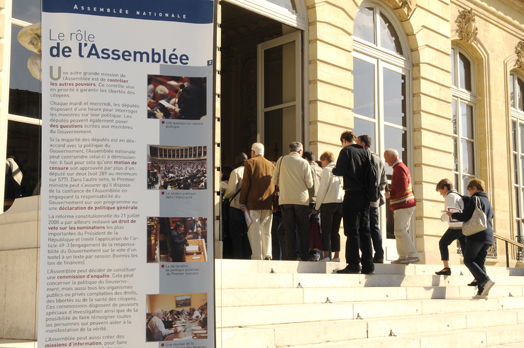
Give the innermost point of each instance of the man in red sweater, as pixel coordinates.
(402, 202)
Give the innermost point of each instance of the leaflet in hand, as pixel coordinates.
(453, 222)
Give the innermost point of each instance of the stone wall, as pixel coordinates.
(19, 269)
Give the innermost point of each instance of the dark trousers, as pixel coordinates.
(447, 239)
(330, 218)
(177, 252)
(238, 234)
(276, 247)
(376, 236)
(296, 216)
(474, 259)
(356, 229)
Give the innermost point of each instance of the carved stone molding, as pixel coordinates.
(467, 29)
(519, 51)
(408, 6)
(403, 8)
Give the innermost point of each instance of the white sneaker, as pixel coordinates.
(479, 297)
(487, 287)
(411, 259)
(336, 260)
(325, 259)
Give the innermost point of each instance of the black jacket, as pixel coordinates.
(352, 164)
(485, 236)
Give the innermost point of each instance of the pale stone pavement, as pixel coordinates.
(5, 343)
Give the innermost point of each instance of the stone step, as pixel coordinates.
(288, 280)
(481, 337)
(509, 345)
(284, 296)
(314, 312)
(254, 266)
(349, 332)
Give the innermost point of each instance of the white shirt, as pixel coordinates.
(330, 189)
(155, 324)
(452, 200)
(235, 184)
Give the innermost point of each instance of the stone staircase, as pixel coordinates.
(266, 304)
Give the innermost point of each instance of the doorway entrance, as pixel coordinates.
(261, 84)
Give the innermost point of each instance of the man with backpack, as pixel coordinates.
(374, 222)
(353, 164)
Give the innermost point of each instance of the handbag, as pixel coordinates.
(478, 221)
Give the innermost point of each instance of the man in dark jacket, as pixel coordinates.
(352, 164)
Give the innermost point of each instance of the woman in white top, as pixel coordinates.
(454, 202)
(329, 201)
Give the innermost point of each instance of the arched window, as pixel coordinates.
(382, 91)
(464, 111)
(381, 80)
(517, 127)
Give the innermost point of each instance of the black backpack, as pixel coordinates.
(465, 199)
(372, 180)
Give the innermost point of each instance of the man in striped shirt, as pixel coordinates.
(402, 202)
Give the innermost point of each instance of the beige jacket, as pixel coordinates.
(293, 176)
(235, 184)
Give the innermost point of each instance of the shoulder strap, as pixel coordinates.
(278, 175)
(238, 191)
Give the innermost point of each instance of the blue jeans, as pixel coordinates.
(474, 259)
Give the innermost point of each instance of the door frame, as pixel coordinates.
(295, 37)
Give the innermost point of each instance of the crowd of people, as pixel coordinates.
(297, 193)
(177, 175)
(161, 323)
(176, 97)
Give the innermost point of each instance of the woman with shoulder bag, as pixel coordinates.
(477, 244)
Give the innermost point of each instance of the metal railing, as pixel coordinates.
(520, 251)
(519, 246)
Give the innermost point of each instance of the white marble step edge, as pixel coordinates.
(471, 338)
(288, 335)
(299, 313)
(289, 280)
(258, 266)
(285, 296)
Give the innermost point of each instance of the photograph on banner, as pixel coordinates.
(176, 97)
(176, 239)
(176, 167)
(176, 316)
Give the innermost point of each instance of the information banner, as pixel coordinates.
(127, 185)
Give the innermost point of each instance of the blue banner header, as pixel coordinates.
(187, 11)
